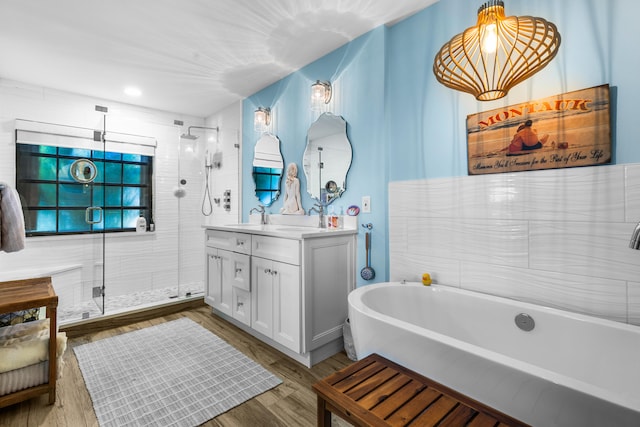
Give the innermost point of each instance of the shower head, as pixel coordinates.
(194, 137)
(188, 136)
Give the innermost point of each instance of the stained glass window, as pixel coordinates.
(54, 203)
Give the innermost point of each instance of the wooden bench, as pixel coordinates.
(377, 392)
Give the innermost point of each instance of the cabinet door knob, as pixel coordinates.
(266, 270)
(274, 272)
(238, 270)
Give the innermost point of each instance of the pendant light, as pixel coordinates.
(497, 53)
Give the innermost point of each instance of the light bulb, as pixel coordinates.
(489, 38)
(317, 93)
(261, 119)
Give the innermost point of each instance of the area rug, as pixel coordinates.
(173, 374)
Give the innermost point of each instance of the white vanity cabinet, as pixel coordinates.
(228, 272)
(295, 298)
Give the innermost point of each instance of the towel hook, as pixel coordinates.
(368, 226)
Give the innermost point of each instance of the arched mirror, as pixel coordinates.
(267, 169)
(327, 158)
(83, 171)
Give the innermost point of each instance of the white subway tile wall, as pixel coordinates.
(556, 237)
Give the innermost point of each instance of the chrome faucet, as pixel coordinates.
(635, 238)
(320, 210)
(263, 216)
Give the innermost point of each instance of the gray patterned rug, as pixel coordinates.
(173, 374)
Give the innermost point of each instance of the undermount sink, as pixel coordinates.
(244, 225)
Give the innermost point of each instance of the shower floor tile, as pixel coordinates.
(122, 303)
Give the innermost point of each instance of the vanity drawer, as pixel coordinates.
(277, 249)
(230, 241)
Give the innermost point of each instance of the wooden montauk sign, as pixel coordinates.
(568, 130)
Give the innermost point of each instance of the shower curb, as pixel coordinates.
(102, 323)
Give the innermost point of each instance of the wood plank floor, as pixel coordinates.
(292, 403)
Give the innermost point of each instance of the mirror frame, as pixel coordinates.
(327, 191)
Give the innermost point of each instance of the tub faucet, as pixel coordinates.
(320, 210)
(263, 216)
(635, 238)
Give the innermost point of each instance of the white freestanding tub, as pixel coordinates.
(570, 370)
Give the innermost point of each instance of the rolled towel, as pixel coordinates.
(26, 344)
(12, 233)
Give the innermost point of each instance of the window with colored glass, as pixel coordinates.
(55, 203)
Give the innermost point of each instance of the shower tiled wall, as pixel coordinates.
(556, 237)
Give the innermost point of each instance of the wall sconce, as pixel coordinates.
(320, 95)
(261, 119)
(497, 53)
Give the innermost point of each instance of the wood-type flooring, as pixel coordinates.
(292, 403)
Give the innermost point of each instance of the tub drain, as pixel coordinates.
(525, 322)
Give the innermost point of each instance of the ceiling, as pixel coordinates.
(192, 57)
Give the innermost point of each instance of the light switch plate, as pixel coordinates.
(366, 204)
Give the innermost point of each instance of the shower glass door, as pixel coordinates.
(83, 196)
(88, 172)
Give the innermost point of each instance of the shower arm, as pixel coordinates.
(189, 136)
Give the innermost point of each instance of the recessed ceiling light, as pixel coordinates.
(132, 91)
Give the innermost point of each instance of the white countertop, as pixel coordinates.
(284, 231)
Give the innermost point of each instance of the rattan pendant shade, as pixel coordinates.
(497, 53)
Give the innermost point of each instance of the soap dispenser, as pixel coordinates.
(141, 224)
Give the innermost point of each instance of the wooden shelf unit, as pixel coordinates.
(18, 295)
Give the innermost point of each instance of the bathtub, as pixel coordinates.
(570, 370)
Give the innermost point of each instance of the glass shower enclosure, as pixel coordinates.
(83, 190)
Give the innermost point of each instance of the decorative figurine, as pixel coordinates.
(292, 202)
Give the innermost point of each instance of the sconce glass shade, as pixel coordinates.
(261, 119)
(497, 53)
(320, 95)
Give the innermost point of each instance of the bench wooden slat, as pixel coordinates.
(371, 384)
(460, 416)
(388, 390)
(358, 377)
(414, 407)
(483, 420)
(398, 399)
(347, 371)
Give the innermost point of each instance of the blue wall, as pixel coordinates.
(356, 72)
(404, 125)
(599, 45)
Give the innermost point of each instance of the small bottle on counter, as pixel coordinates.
(141, 224)
(332, 218)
